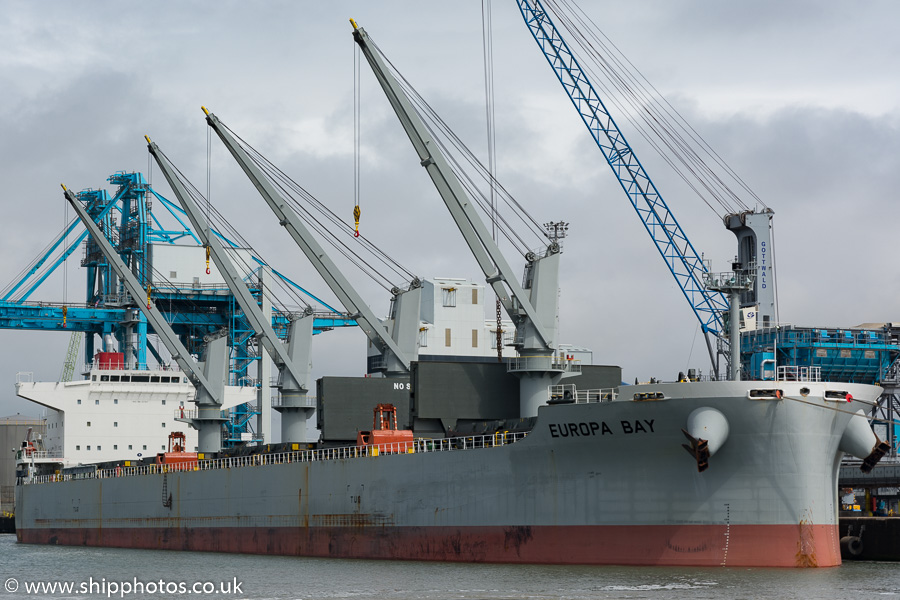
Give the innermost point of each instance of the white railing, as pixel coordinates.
(543, 363)
(193, 413)
(279, 401)
(37, 454)
(142, 367)
(799, 374)
(340, 453)
(570, 393)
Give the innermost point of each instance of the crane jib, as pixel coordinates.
(679, 254)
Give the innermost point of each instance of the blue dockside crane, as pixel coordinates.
(854, 355)
(685, 264)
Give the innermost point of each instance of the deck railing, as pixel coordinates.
(324, 454)
(788, 373)
(568, 392)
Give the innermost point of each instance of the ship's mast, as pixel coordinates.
(208, 378)
(292, 362)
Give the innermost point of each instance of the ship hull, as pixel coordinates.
(690, 545)
(604, 483)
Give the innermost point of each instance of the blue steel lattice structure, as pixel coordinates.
(128, 221)
(679, 254)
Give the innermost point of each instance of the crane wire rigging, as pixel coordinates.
(487, 35)
(446, 139)
(664, 128)
(328, 224)
(221, 227)
(356, 136)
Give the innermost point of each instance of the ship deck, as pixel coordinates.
(419, 445)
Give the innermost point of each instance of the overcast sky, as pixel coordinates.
(801, 98)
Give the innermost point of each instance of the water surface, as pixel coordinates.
(289, 578)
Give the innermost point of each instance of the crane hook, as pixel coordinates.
(207, 260)
(356, 213)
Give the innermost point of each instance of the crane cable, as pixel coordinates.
(652, 109)
(291, 190)
(65, 309)
(673, 132)
(487, 36)
(208, 178)
(445, 137)
(218, 223)
(356, 135)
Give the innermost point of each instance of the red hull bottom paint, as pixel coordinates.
(801, 545)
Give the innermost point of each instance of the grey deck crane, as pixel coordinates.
(534, 312)
(292, 361)
(398, 347)
(207, 377)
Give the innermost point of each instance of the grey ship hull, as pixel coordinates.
(598, 483)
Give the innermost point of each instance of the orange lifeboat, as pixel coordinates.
(385, 436)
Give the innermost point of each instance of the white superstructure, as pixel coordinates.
(453, 321)
(118, 414)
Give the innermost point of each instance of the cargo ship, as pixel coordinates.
(496, 462)
(596, 479)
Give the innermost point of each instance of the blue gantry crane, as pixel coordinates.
(108, 313)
